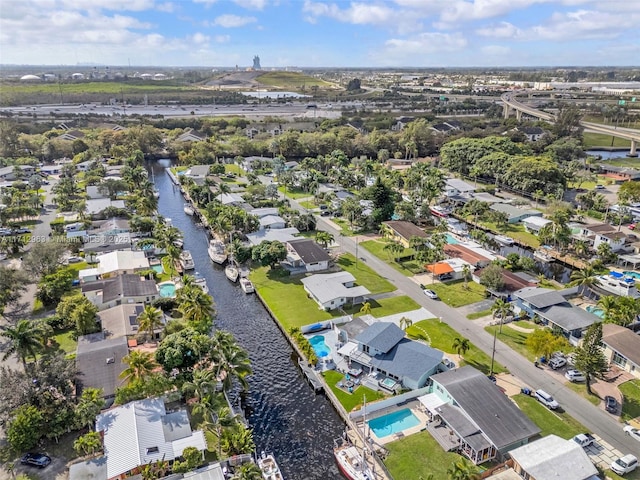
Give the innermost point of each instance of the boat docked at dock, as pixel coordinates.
(188, 209)
(439, 211)
(543, 256)
(351, 463)
(201, 282)
(217, 252)
(504, 240)
(618, 284)
(269, 467)
(186, 260)
(246, 285)
(232, 272)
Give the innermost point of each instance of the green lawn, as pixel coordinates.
(416, 456)
(233, 168)
(348, 400)
(63, 341)
(292, 80)
(514, 338)
(308, 205)
(549, 422)
(591, 140)
(376, 247)
(515, 231)
(631, 404)
(581, 389)
(480, 314)
(365, 276)
(387, 306)
(456, 295)
(294, 193)
(441, 336)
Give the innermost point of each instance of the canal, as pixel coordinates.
(287, 417)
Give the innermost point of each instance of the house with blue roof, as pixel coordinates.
(383, 348)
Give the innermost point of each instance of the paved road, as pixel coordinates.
(593, 418)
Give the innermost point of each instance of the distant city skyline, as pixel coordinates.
(316, 33)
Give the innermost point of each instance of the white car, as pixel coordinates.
(632, 432)
(625, 464)
(575, 376)
(431, 294)
(557, 362)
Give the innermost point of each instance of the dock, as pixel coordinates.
(311, 376)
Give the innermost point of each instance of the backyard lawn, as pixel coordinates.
(517, 232)
(441, 336)
(408, 268)
(294, 193)
(456, 295)
(480, 314)
(353, 400)
(387, 306)
(63, 341)
(416, 456)
(631, 405)
(308, 205)
(560, 424)
(515, 339)
(365, 276)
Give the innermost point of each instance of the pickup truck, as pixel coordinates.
(584, 439)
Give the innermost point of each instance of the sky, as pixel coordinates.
(319, 33)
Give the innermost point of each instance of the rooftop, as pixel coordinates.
(99, 362)
(406, 229)
(381, 336)
(309, 251)
(622, 340)
(329, 286)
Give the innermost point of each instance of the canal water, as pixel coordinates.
(288, 419)
(608, 154)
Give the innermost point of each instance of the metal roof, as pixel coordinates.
(330, 286)
(569, 317)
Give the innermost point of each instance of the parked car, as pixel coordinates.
(599, 187)
(575, 376)
(325, 213)
(610, 404)
(557, 362)
(431, 294)
(546, 399)
(74, 259)
(625, 464)
(584, 439)
(445, 276)
(632, 432)
(21, 230)
(39, 460)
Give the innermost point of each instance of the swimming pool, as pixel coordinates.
(388, 383)
(157, 268)
(634, 275)
(167, 289)
(393, 423)
(595, 310)
(321, 348)
(451, 240)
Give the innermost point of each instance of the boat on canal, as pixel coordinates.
(504, 240)
(351, 463)
(439, 211)
(543, 256)
(188, 209)
(618, 284)
(186, 260)
(217, 252)
(232, 272)
(201, 282)
(246, 285)
(269, 467)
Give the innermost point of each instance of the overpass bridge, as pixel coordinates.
(510, 103)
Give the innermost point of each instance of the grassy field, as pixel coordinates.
(308, 205)
(591, 140)
(291, 80)
(480, 314)
(348, 400)
(441, 336)
(387, 306)
(365, 276)
(344, 225)
(118, 88)
(233, 168)
(293, 193)
(416, 456)
(514, 338)
(456, 295)
(560, 424)
(631, 404)
(376, 247)
(581, 389)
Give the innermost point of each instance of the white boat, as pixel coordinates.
(618, 284)
(438, 211)
(351, 463)
(543, 256)
(246, 285)
(504, 240)
(156, 193)
(186, 260)
(269, 467)
(216, 252)
(179, 243)
(200, 281)
(188, 209)
(232, 273)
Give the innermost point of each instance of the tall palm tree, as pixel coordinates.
(501, 308)
(238, 440)
(324, 238)
(24, 340)
(609, 305)
(195, 305)
(463, 470)
(584, 278)
(461, 345)
(219, 420)
(203, 383)
(139, 366)
(247, 471)
(150, 319)
(466, 273)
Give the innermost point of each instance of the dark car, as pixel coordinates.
(610, 404)
(325, 213)
(39, 460)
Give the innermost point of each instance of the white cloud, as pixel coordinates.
(128, 5)
(166, 7)
(412, 50)
(199, 38)
(359, 13)
(252, 4)
(501, 30)
(233, 21)
(584, 24)
(222, 38)
(496, 51)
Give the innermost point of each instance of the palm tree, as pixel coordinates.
(232, 362)
(24, 340)
(203, 383)
(461, 345)
(238, 440)
(139, 366)
(501, 308)
(195, 305)
(248, 471)
(324, 238)
(395, 249)
(90, 404)
(150, 319)
(221, 419)
(405, 323)
(584, 279)
(581, 247)
(88, 443)
(466, 273)
(366, 308)
(463, 470)
(609, 305)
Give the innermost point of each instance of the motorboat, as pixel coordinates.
(178, 243)
(351, 463)
(232, 272)
(217, 252)
(543, 256)
(504, 240)
(246, 285)
(201, 282)
(269, 467)
(618, 284)
(156, 193)
(188, 209)
(438, 211)
(186, 260)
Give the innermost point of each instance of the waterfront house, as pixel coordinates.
(383, 348)
(120, 290)
(228, 198)
(333, 290)
(142, 432)
(402, 231)
(455, 187)
(264, 212)
(598, 233)
(272, 222)
(477, 258)
(512, 281)
(283, 235)
(621, 348)
(514, 214)
(121, 261)
(96, 206)
(306, 254)
(544, 458)
(99, 362)
(95, 191)
(96, 245)
(475, 416)
(534, 224)
(121, 320)
(552, 308)
(197, 173)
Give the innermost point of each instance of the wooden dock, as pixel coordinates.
(311, 376)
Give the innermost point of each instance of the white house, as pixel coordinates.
(123, 289)
(307, 254)
(270, 222)
(534, 224)
(142, 432)
(333, 290)
(98, 205)
(599, 233)
(121, 261)
(455, 187)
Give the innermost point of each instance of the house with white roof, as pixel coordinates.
(333, 290)
(534, 224)
(142, 432)
(454, 187)
(230, 199)
(269, 222)
(283, 235)
(121, 261)
(96, 206)
(544, 458)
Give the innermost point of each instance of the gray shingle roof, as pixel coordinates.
(540, 297)
(99, 362)
(569, 317)
(499, 419)
(128, 285)
(406, 229)
(309, 251)
(622, 340)
(381, 336)
(121, 320)
(408, 359)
